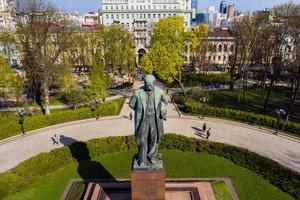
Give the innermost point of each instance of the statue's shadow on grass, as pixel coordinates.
(87, 168)
(199, 132)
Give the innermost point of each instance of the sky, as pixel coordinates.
(242, 5)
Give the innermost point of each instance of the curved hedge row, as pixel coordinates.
(44, 163)
(10, 127)
(259, 119)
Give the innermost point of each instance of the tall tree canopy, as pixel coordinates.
(166, 55)
(43, 35)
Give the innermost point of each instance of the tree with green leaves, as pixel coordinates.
(70, 90)
(118, 49)
(42, 37)
(99, 81)
(166, 55)
(196, 47)
(11, 84)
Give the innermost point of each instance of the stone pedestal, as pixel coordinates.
(148, 183)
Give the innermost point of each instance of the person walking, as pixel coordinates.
(204, 127)
(208, 133)
(130, 116)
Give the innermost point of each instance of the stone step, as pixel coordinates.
(95, 192)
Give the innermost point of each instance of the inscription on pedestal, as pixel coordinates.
(148, 185)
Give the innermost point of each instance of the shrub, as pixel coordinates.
(11, 127)
(248, 117)
(44, 163)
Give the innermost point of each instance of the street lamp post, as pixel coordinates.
(280, 113)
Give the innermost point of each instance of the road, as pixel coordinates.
(282, 149)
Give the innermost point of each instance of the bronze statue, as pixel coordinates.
(150, 106)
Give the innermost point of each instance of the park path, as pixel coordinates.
(282, 149)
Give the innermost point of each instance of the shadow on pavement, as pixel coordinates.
(87, 168)
(199, 132)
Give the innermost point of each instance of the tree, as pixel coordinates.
(42, 36)
(288, 18)
(99, 81)
(247, 33)
(118, 49)
(70, 90)
(10, 83)
(196, 46)
(165, 57)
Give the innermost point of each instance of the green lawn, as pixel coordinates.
(254, 101)
(9, 121)
(221, 191)
(248, 185)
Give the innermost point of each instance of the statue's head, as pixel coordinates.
(149, 82)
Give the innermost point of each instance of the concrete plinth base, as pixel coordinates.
(173, 191)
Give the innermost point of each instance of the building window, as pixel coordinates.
(219, 58)
(158, 16)
(127, 7)
(154, 15)
(214, 57)
(127, 16)
(225, 47)
(149, 7)
(112, 16)
(215, 48)
(117, 7)
(220, 48)
(132, 7)
(149, 16)
(232, 48)
(107, 16)
(117, 16)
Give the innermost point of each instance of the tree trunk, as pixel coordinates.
(231, 86)
(47, 99)
(182, 89)
(268, 94)
(245, 87)
(292, 102)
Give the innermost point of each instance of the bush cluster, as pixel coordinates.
(243, 116)
(11, 126)
(44, 163)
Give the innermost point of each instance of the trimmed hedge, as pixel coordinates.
(45, 163)
(9, 125)
(243, 116)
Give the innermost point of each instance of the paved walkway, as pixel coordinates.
(279, 148)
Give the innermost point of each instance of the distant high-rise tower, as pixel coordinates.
(223, 7)
(231, 11)
(194, 4)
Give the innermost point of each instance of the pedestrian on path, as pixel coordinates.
(208, 133)
(55, 139)
(130, 116)
(204, 127)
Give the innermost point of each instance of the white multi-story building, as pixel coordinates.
(214, 18)
(138, 16)
(7, 13)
